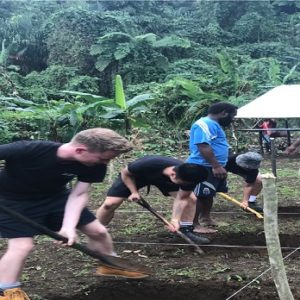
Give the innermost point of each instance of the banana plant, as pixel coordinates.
(194, 101)
(118, 110)
(133, 108)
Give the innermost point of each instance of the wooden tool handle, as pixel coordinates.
(106, 260)
(258, 215)
(142, 202)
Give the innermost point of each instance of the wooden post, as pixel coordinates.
(272, 238)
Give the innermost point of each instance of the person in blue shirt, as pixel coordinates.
(209, 148)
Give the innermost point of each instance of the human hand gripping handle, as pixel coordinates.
(219, 172)
(134, 197)
(174, 225)
(70, 235)
(227, 197)
(116, 263)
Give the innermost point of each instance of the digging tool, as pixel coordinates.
(142, 202)
(225, 196)
(109, 265)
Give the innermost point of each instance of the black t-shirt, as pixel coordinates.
(148, 170)
(249, 175)
(33, 170)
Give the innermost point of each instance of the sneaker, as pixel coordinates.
(13, 294)
(254, 206)
(107, 271)
(196, 238)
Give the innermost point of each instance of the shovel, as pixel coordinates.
(109, 265)
(225, 196)
(142, 202)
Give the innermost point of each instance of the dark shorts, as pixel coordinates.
(119, 189)
(249, 175)
(48, 212)
(211, 186)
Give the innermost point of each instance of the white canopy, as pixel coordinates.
(281, 102)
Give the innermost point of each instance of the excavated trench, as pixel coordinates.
(180, 288)
(157, 290)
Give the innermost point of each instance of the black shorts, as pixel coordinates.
(211, 186)
(119, 189)
(249, 175)
(48, 212)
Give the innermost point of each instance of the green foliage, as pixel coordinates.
(17, 123)
(182, 101)
(212, 35)
(6, 132)
(3, 54)
(172, 41)
(110, 47)
(290, 74)
(186, 53)
(47, 84)
(253, 27)
(131, 113)
(286, 6)
(119, 93)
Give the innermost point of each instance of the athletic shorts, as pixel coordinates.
(120, 190)
(48, 212)
(211, 186)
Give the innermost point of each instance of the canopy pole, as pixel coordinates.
(288, 132)
(236, 141)
(273, 156)
(261, 142)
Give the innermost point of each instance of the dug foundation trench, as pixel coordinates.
(157, 290)
(227, 270)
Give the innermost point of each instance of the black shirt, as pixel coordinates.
(148, 170)
(33, 170)
(249, 175)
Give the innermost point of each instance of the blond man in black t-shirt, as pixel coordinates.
(33, 183)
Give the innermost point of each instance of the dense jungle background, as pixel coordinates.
(145, 68)
(148, 69)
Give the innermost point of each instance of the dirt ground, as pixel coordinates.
(236, 256)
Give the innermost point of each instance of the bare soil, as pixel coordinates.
(236, 256)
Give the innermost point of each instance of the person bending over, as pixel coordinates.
(171, 176)
(34, 183)
(247, 166)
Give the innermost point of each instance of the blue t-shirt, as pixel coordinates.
(208, 131)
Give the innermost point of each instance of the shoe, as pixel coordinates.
(13, 294)
(107, 271)
(254, 206)
(196, 238)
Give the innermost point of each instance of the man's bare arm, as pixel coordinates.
(129, 181)
(207, 152)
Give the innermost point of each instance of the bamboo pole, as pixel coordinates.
(272, 237)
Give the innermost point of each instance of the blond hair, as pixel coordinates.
(101, 140)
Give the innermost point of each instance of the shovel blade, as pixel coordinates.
(108, 271)
(117, 266)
